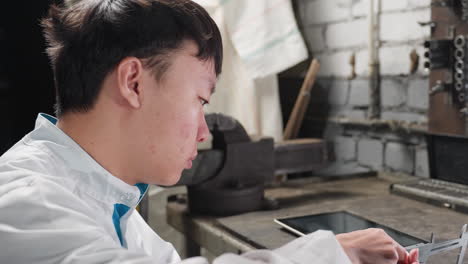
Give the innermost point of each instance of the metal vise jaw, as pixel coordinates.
(229, 179)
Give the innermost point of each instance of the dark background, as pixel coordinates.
(26, 82)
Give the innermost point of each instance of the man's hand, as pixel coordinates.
(371, 246)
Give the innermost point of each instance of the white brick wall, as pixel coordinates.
(362, 62)
(335, 64)
(347, 34)
(336, 29)
(392, 5)
(404, 27)
(370, 153)
(393, 93)
(419, 3)
(359, 93)
(399, 157)
(395, 60)
(345, 148)
(418, 94)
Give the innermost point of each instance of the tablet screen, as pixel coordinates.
(341, 222)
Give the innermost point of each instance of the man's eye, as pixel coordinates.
(203, 102)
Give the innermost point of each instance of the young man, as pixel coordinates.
(131, 77)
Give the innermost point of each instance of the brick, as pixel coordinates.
(399, 157)
(314, 37)
(404, 116)
(393, 92)
(402, 27)
(419, 3)
(359, 92)
(422, 163)
(338, 93)
(345, 148)
(324, 11)
(347, 34)
(418, 94)
(334, 64)
(394, 5)
(370, 152)
(395, 60)
(360, 8)
(362, 62)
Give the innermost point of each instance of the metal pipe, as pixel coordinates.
(374, 65)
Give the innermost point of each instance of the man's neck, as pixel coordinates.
(100, 137)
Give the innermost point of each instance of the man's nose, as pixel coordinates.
(203, 131)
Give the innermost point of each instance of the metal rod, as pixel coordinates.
(374, 65)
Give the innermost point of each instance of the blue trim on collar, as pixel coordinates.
(121, 209)
(143, 187)
(52, 119)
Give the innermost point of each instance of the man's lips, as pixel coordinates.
(189, 162)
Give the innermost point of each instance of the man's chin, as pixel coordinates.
(169, 180)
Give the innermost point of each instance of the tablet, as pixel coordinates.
(341, 222)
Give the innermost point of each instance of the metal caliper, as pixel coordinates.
(428, 249)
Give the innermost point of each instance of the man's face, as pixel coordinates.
(172, 120)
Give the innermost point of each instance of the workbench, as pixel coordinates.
(367, 196)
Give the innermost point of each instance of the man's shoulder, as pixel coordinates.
(29, 167)
(27, 157)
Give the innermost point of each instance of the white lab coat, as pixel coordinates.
(58, 205)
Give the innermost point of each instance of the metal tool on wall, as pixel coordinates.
(447, 62)
(429, 249)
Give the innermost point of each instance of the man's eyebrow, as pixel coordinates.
(213, 89)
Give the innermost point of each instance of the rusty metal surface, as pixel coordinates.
(444, 111)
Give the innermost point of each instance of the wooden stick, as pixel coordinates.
(302, 101)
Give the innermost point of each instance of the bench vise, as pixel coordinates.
(230, 178)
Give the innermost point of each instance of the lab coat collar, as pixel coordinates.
(94, 180)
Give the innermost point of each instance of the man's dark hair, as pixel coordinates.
(88, 39)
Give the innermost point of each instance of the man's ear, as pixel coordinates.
(129, 77)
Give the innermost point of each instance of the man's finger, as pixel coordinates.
(414, 256)
(401, 251)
